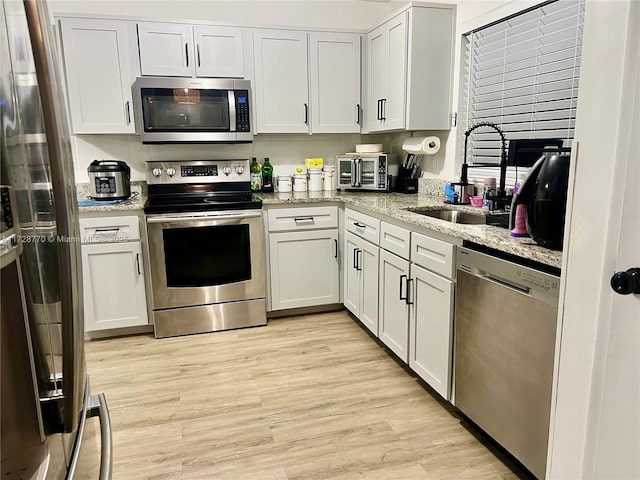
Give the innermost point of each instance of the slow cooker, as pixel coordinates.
(109, 180)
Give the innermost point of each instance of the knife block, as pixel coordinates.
(407, 185)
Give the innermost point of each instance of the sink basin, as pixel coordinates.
(452, 216)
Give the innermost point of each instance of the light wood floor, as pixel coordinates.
(305, 397)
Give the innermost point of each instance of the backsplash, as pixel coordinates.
(431, 186)
(137, 188)
(286, 152)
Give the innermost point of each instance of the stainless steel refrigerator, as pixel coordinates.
(46, 406)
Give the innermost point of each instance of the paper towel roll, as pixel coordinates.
(422, 145)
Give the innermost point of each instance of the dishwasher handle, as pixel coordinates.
(505, 283)
(515, 276)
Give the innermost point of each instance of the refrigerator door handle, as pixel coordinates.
(66, 211)
(98, 407)
(94, 406)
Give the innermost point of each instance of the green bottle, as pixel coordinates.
(256, 176)
(267, 176)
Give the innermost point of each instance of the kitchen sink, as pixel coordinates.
(451, 215)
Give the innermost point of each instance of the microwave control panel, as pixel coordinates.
(242, 111)
(382, 171)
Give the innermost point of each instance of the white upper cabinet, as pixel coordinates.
(100, 65)
(334, 68)
(281, 83)
(178, 50)
(377, 48)
(219, 52)
(388, 71)
(410, 70)
(166, 49)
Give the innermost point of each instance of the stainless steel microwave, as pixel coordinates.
(193, 110)
(363, 171)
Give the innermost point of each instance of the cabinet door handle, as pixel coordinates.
(138, 262)
(358, 113)
(186, 52)
(306, 114)
(335, 251)
(402, 277)
(408, 301)
(359, 262)
(383, 102)
(198, 53)
(127, 105)
(355, 259)
(379, 115)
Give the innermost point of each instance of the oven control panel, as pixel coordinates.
(197, 171)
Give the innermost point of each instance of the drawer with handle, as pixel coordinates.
(109, 229)
(433, 254)
(395, 239)
(362, 225)
(302, 218)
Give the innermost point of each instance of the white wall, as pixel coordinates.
(445, 164)
(284, 150)
(349, 14)
(608, 65)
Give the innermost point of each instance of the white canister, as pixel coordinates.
(283, 183)
(299, 182)
(329, 173)
(315, 180)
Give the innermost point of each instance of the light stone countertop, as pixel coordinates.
(135, 203)
(395, 205)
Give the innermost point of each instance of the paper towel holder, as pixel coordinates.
(422, 145)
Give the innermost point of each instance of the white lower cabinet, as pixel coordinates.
(304, 268)
(112, 273)
(430, 329)
(361, 280)
(416, 292)
(113, 282)
(393, 327)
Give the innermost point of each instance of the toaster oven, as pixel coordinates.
(363, 171)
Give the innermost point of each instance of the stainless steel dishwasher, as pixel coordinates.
(505, 330)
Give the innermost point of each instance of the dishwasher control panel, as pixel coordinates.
(509, 274)
(537, 279)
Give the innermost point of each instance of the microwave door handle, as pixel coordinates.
(359, 172)
(353, 172)
(232, 110)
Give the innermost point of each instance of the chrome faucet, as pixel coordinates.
(501, 193)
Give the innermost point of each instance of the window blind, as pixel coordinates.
(521, 73)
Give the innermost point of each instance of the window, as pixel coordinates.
(521, 73)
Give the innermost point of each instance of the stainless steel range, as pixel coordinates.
(206, 247)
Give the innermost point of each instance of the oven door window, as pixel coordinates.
(185, 110)
(369, 173)
(207, 256)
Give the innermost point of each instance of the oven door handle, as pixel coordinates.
(214, 219)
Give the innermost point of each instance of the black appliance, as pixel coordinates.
(544, 194)
(109, 180)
